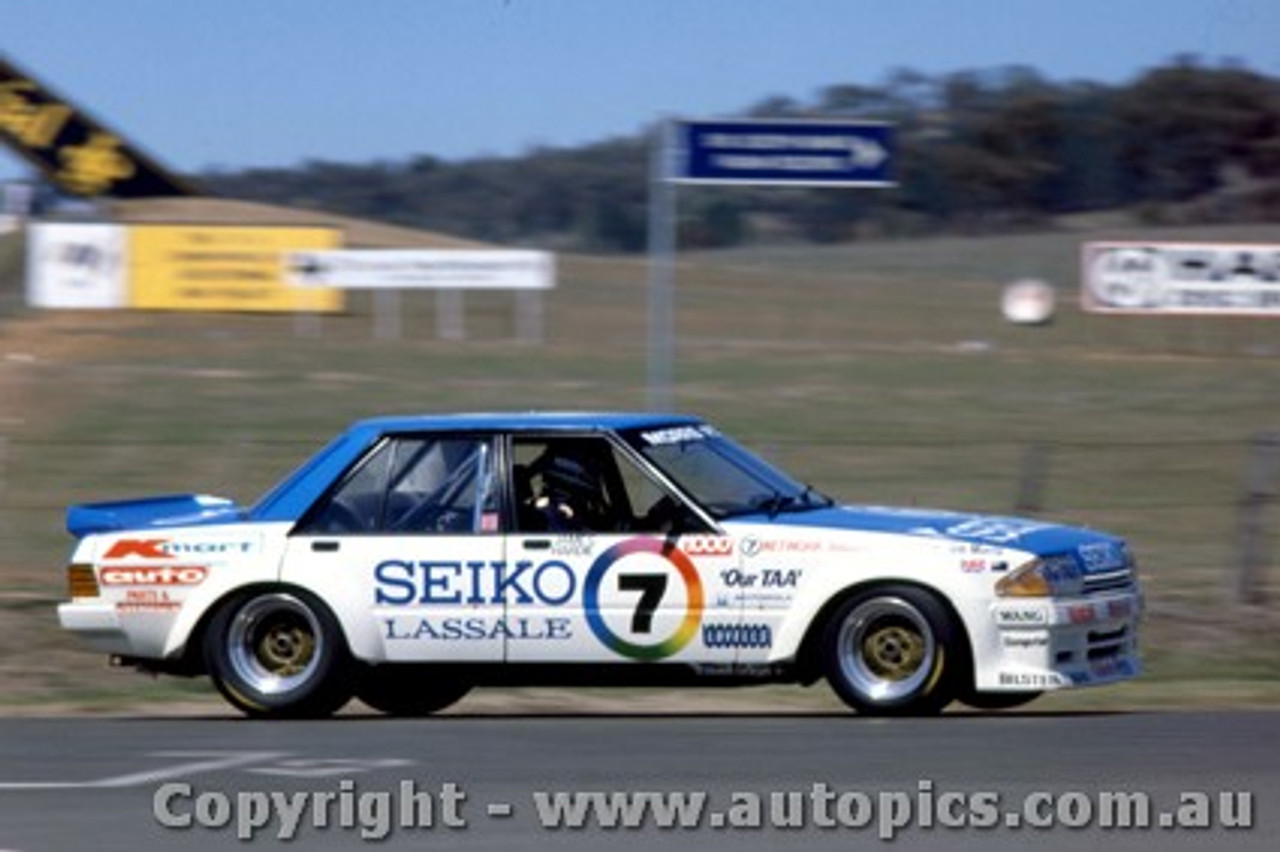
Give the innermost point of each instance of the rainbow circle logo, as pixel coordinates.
(694, 598)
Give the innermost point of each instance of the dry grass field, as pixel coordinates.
(881, 372)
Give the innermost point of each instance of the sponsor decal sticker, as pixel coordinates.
(707, 545)
(1024, 640)
(166, 575)
(147, 548)
(163, 549)
(147, 600)
(975, 549)
(737, 635)
(753, 546)
(1035, 680)
(550, 583)
(573, 544)
(401, 582)
(764, 578)
(998, 530)
(652, 588)
(477, 628)
(677, 435)
(1021, 616)
(840, 546)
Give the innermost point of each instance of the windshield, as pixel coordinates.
(723, 477)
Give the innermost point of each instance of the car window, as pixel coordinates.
(724, 478)
(585, 484)
(415, 485)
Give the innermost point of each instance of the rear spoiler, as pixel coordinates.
(171, 511)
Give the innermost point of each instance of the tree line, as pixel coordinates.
(977, 151)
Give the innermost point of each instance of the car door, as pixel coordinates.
(612, 565)
(407, 550)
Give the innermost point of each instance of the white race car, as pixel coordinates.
(414, 558)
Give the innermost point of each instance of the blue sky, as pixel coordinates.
(237, 83)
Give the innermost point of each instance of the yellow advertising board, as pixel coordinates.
(224, 268)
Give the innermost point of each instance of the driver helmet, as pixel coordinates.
(570, 478)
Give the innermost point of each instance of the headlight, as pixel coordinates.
(1050, 576)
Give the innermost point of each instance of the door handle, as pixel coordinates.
(324, 546)
(537, 544)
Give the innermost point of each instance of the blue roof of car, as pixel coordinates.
(520, 421)
(297, 491)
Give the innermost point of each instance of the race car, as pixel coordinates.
(414, 558)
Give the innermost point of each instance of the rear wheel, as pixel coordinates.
(278, 653)
(892, 651)
(406, 690)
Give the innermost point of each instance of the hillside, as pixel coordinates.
(979, 152)
(359, 233)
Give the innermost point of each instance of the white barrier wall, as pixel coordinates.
(173, 267)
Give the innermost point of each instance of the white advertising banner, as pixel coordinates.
(440, 269)
(1181, 278)
(76, 266)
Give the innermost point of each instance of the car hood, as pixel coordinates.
(1041, 538)
(177, 510)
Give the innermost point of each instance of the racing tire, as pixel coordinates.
(278, 653)
(407, 690)
(998, 700)
(892, 651)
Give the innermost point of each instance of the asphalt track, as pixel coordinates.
(93, 784)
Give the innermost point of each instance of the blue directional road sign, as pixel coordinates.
(784, 152)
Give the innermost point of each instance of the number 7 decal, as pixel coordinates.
(651, 588)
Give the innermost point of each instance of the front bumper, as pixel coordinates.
(1046, 644)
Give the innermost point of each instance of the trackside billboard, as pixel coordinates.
(431, 269)
(172, 267)
(224, 268)
(1223, 279)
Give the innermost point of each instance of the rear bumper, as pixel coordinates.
(97, 623)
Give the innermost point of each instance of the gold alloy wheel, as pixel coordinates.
(887, 651)
(274, 643)
(893, 652)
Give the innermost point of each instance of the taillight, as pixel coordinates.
(81, 581)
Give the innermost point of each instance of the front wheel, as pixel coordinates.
(278, 653)
(892, 651)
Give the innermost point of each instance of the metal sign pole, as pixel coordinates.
(451, 315)
(778, 152)
(386, 314)
(662, 247)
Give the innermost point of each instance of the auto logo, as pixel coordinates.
(168, 575)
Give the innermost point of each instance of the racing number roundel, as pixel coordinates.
(651, 588)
